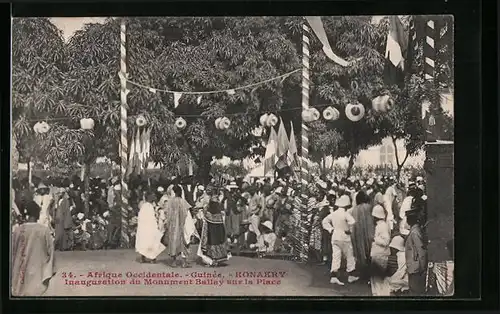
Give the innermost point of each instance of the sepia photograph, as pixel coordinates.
(232, 156)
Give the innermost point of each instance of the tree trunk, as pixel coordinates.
(203, 170)
(396, 154)
(86, 188)
(350, 165)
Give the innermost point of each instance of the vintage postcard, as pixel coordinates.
(232, 156)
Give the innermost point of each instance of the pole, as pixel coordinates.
(305, 140)
(123, 132)
(305, 102)
(430, 67)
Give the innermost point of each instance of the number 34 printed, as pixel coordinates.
(68, 275)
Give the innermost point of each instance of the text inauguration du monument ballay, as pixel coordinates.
(195, 278)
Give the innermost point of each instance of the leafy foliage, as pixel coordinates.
(67, 82)
(182, 54)
(39, 63)
(357, 37)
(350, 37)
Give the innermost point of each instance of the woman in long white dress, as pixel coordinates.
(148, 239)
(379, 253)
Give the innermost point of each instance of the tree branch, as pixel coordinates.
(394, 143)
(406, 157)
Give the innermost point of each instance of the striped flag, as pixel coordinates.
(318, 29)
(395, 52)
(293, 153)
(270, 156)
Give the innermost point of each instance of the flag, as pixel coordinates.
(148, 144)
(137, 153)
(177, 97)
(270, 156)
(395, 52)
(144, 159)
(318, 29)
(130, 165)
(292, 155)
(282, 141)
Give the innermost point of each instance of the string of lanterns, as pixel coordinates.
(354, 112)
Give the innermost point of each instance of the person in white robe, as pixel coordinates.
(399, 280)
(389, 196)
(148, 240)
(44, 199)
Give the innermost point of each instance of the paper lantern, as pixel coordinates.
(307, 116)
(355, 112)
(225, 123)
(43, 128)
(180, 123)
(87, 123)
(272, 120)
(217, 123)
(36, 128)
(315, 114)
(140, 121)
(331, 114)
(328, 113)
(263, 119)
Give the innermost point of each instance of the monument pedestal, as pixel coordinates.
(439, 167)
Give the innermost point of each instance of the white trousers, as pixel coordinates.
(342, 249)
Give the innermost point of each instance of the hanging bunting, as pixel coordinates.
(231, 91)
(318, 29)
(177, 97)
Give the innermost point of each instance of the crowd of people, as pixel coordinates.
(373, 223)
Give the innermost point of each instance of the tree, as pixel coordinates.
(184, 54)
(405, 121)
(357, 37)
(337, 86)
(39, 62)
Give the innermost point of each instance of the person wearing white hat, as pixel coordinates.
(339, 224)
(399, 279)
(380, 253)
(389, 197)
(267, 239)
(45, 200)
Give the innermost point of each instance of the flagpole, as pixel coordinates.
(305, 135)
(430, 63)
(123, 133)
